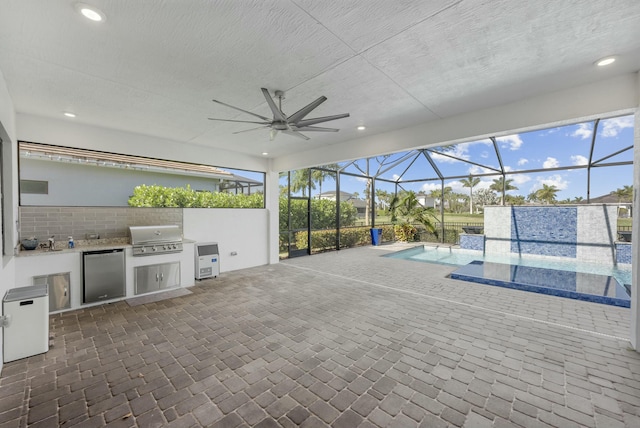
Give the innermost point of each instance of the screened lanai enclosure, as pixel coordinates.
(335, 206)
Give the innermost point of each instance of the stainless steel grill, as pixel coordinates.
(151, 240)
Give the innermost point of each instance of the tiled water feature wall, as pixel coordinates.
(584, 232)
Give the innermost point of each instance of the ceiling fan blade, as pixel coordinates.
(315, 128)
(239, 109)
(252, 129)
(295, 134)
(300, 114)
(307, 122)
(273, 134)
(240, 121)
(277, 114)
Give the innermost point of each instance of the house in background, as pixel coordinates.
(359, 204)
(427, 201)
(49, 176)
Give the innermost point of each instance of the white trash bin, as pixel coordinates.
(26, 332)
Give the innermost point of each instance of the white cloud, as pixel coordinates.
(583, 131)
(457, 186)
(484, 184)
(549, 131)
(612, 127)
(484, 155)
(477, 170)
(519, 179)
(428, 187)
(522, 161)
(396, 177)
(459, 150)
(552, 180)
(579, 160)
(550, 163)
(514, 142)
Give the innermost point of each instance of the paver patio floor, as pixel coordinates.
(341, 339)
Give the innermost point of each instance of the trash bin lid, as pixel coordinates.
(24, 293)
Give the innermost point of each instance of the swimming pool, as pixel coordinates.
(558, 277)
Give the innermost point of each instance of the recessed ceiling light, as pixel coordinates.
(361, 128)
(69, 114)
(605, 61)
(264, 153)
(90, 12)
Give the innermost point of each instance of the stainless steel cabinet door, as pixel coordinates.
(169, 275)
(147, 279)
(59, 285)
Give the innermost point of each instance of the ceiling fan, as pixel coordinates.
(290, 125)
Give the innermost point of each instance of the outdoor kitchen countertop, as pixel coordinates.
(84, 245)
(80, 245)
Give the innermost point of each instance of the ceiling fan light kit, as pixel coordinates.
(290, 125)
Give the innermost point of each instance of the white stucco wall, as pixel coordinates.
(243, 231)
(9, 180)
(37, 129)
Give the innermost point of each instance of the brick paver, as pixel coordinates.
(340, 339)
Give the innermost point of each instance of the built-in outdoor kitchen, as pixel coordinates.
(127, 253)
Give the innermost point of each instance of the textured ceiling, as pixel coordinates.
(153, 66)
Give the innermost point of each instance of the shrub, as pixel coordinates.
(185, 197)
(405, 232)
(323, 214)
(349, 237)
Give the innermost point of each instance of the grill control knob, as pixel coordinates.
(143, 249)
(154, 248)
(164, 247)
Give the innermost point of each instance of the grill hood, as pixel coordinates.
(143, 235)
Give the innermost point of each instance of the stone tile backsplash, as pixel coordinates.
(108, 222)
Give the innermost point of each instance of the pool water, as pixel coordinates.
(529, 272)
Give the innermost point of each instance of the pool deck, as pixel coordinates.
(342, 339)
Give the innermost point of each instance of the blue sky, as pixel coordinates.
(563, 146)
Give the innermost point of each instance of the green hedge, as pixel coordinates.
(322, 240)
(185, 197)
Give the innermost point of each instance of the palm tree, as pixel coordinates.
(624, 194)
(412, 211)
(300, 181)
(501, 185)
(514, 199)
(470, 182)
(578, 199)
(547, 193)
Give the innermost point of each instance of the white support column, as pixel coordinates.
(635, 294)
(272, 194)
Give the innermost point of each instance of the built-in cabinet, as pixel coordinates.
(156, 277)
(59, 285)
(64, 270)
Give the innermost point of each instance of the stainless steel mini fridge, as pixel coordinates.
(103, 274)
